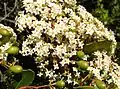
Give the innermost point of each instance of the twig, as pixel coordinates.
(84, 79)
(9, 20)
(33, 87)
(84, 87)
(36, 87)
(5, 8)
(9, 12)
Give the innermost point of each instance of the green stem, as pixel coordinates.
(84, 87)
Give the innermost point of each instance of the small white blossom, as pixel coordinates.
(56, 66)
(65, 61)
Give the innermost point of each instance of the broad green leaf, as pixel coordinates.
(102, 45)
(27, 78)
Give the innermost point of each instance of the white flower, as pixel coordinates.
(75, 69)
(49, 73)
(40, 74)
(56, 66)
(65, 61)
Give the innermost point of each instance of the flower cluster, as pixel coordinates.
(55, 31)
(7, 38)
(104, 68)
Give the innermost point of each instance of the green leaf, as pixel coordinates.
(102, 45)
(27, 78)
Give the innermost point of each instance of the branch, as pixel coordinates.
(12, 21)
(9, 12)
(34, 87)
(5, 8)
(37, 87)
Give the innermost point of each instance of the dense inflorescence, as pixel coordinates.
(55, 30)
